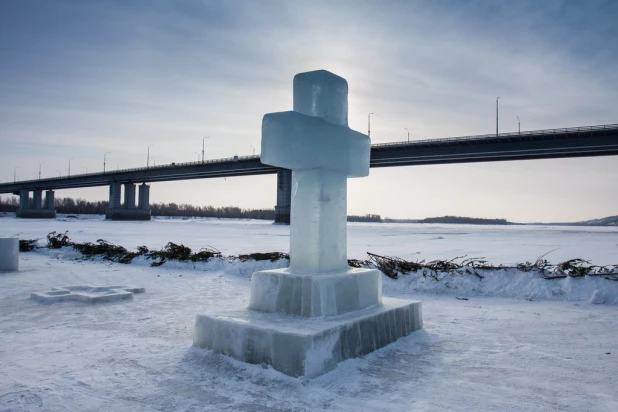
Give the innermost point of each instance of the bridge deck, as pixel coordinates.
(540, 144)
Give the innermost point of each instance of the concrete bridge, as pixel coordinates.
(540, 144)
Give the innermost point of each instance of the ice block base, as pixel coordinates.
(298, 346)
(310, 295)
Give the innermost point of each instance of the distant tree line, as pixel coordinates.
(469, 220)
(8, 205)
(230, 212)
(390, 220)
(63, 205)
(81, 206)
(443, 219)
(365, 218)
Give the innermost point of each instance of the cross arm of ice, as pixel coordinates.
(296, 141)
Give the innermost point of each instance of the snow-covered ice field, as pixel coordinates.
(499, 244)
(488, 353)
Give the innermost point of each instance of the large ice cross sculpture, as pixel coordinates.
(305, 319)
(315, 142)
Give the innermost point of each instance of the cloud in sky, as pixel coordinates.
(78, 79)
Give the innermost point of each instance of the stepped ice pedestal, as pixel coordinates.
(305, 319)
(306, 346)
(284, 291)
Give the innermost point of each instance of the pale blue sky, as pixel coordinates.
(79, 78)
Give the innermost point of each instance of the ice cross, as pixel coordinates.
(315, 142)
(305, 319)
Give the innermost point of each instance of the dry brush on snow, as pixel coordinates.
(392, 267)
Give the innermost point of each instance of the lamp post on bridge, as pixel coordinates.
(148, 156)
(71, 158)
(369, 125)
(85, 167)
(497, 98)
(104, 160)
(203, 138)
(15, 173)
(518, 125)
(40, 164)
(408, 134)
(59, 173)
(116, 166)
(198, 157)
(253, 149)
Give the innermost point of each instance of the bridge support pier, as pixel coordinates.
(143, 202)
(37, 198)
(37, 210)
(284, 196)
(128, 211)
(129, 196)
(50, 200)
(24, 198)
(114, 195)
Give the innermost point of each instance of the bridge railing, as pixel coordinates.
(611, 127)
(136, 169)
(554, 132)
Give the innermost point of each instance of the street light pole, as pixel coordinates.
(198, 157)
(148, 156)
(369, 125)
(116, 166)
(15, 173)
(104, 160)
(518, 125)
(40, 170)
(203, 138)
(207, 137)
(497, 115)
(71, 158)
(253, 149)
(59, 173)
(408, 134)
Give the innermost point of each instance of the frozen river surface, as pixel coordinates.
(481, 354)
(499, 244)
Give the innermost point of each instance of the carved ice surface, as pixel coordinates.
(305, 346)
(9, 254)
(305, 319)
(282, 290)
(296, 141)
(315, 142)
(318, 222)
(322, 94)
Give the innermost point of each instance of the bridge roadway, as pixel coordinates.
(540, 144)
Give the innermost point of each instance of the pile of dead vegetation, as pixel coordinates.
(116, 253)
(27, 245)
(391, 266)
